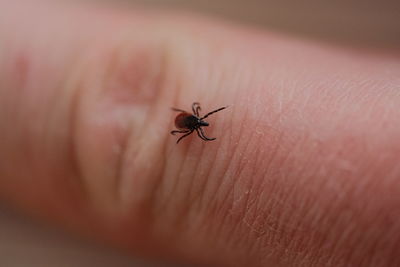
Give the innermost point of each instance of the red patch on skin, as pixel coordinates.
(21, 68)
(133, 76)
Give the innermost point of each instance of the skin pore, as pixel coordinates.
(304, 171)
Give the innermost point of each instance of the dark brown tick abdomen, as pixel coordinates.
(186, 121)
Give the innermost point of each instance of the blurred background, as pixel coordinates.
(361, 22)
(24, 243)
(369, 22)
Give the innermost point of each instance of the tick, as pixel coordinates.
(187, 123)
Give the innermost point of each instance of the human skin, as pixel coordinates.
(304, 171)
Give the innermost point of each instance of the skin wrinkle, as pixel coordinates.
(196, 200)
(34, 126)
(198, 197)
(314, 238)
(278, 219)
(274, 204)
(287, 153)
(208, 205)
(163, 170)
(349, 237)
(274, 217)
(221, 121)
(392, 93)
(213, 206)
(124, 161)
(333, 224)
(79, 83)
(119, 166)
(365, 98)
(190, 207)
(394, 240)
(179, 221)
(59, 110)
(239, 171)
(214, 171)
(326, 209)
(369, 249)
(369, 252)
(148, 212)
(170, 196)
(230, 213)
(113, 65)
(9, 106)
(147, 123)
(226, 215)
(164, 207)
(304, 171)
(73, 157)
(293, 227)
(245, 205)
(56, 109)
(228, 162)
(380, 219)
(123, 146)
(85, 65)
(187, 204)
(191, 202)
(245, 118)
(256, 156)
(322, 254)
(269, 160)
(343, 242)
(256, 230)
(181, 211)
(9, 110)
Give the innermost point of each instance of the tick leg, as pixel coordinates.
(184, 131)
(196, 108)
(177, 109)
(201, 134)
(183, 136)
(212, 112)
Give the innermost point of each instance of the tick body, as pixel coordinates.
(187, 122)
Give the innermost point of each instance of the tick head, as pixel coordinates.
(203, 123)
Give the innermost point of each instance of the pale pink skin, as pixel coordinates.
(304, 172)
